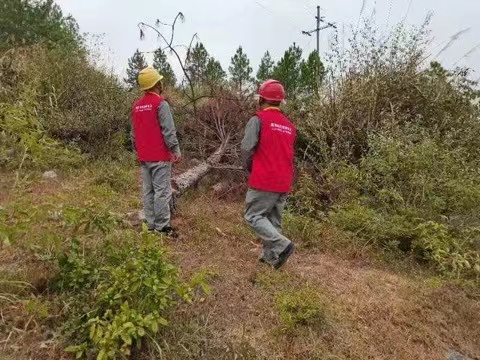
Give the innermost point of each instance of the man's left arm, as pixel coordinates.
(168, 129)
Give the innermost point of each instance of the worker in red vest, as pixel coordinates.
(154, 138)
(268, 151)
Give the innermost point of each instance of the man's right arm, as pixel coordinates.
(250, 141)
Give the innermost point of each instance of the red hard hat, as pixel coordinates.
(272, 90)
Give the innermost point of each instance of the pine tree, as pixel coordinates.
(161, 64)
(312, 74)
(196, 64)
(214, 73)
(29, 22)
(288, 72)
(240, 69)
(265, 70)
(135, 64)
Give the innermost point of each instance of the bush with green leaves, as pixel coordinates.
(417, 194)
(24, 142)
(73, 101)
(118, 296)
(450, 254)
(393, 147)
(382, 81)
(51, 87)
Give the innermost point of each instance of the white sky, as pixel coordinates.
(258, 25)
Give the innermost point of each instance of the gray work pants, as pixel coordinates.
(263, 213)
(157, 193)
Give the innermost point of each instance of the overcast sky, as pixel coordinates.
(257, 25)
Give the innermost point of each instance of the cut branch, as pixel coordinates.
(228, 167)
(192, 176)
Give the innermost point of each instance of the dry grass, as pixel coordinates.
(371, 312)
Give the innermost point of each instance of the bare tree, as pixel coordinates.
(143, 27)
(217, 122)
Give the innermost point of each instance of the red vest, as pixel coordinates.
(273, 160)
(149, 140)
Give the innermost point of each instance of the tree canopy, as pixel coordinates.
(240, 69)
(265, 70)
(135, 64)
(161, 64)
(27, 22)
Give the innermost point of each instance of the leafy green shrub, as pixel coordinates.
(307, 197)
(77, 273)
(375, 227)
(120, 297)
(85, 220)
(449, 254)
(300, 308)
(28, 144)
(306, 230)
(89, 110)
(393, 147)
(420, 196)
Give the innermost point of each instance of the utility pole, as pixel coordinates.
(319, 28)
(318, 31)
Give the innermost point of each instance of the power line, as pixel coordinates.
(467, 54)
(407, 12)
(297, 3)
(275, 13)
(307, 8)
(262, 6)
(389, 12)
(307, 45)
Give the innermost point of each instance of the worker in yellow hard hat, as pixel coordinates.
(154, 138)
(148, 78)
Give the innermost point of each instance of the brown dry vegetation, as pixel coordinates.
(367, 311)
(371, 312)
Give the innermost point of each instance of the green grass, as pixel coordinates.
(301, 308)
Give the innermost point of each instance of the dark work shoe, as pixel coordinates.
(284, 255)
(168, 231)
(150, 229)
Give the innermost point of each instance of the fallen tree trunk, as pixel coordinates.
(190, 177)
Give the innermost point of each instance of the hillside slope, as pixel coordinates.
(325, 304)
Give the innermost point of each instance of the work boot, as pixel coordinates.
(168, 231)
(262, 259)
(284, 255)
(149, 228)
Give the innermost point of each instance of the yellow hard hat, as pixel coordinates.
(148, 78)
